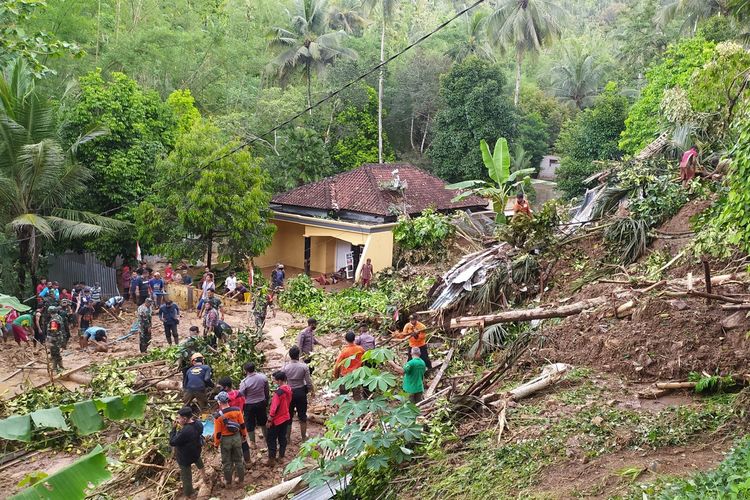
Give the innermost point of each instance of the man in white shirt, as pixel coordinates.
(230, 284)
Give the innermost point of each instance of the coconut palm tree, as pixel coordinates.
(39, 178)
(475, 41)
(307, 43)
(693, 10)
(347, 15)
(578, 76)
(524, 27)
(387, 9)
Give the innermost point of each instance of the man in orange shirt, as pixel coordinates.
(415, 331)
(353, 353)
(229, 433)
(521, 206)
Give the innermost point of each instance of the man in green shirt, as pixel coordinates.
(414, 371)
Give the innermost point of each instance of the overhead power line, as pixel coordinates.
(248, 142)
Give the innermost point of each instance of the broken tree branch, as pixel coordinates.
(529, 314)
(433, 385)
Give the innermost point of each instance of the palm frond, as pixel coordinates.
(35, 221)
(74, 224)
(90, 135)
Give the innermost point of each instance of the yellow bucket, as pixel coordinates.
(247, 297)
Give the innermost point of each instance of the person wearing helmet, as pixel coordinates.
(277, 277)
(55, 337)
(196, 380)
(144, 314)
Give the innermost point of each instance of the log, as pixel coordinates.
(529, 314)
(433, 385)
(675, 385)
(655, 285)
(698, 293)
(163, 385)
(550, 374)
(279, 491)
(150, 364)
(20, 369)
(625, 309)
(736, 307)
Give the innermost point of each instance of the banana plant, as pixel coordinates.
(504, 182)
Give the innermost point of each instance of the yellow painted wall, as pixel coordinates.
(379, 248)
(287, 247)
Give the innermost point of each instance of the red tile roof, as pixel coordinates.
(366, 190)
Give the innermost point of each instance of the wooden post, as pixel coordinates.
(707, 275)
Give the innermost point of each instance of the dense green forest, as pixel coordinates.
(137, 94)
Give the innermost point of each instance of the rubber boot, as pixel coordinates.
(271, 461)
(302, 430)
(228, 478)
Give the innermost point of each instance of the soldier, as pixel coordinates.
(55, 336)
(144, 322)
(65, 315)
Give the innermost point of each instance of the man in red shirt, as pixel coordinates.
(168, 273)
(41, 286)
(350, 358)
(278, 418)
(366, 274)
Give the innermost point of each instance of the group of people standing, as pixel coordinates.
(239, 413)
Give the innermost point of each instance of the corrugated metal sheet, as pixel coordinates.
(324, 491)
(71, 267)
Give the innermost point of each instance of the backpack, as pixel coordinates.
(231, 425)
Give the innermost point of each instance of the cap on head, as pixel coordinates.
(52, 309)
(222, 397)
(87, 290)
(415, 351)
(196, 355)
(280, 266)
(148, 300)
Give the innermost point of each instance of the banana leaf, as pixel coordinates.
(85, 416)
(73, 482)
(16, 428)
(51, 418)
(8, 301)
(130, 407)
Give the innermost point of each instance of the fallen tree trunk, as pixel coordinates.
(528, 314)
(279, 491)
(675, 385)
(736, 307)
(436, 380)
(84, 379)
(698, 293)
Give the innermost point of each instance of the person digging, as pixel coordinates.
(195, 382)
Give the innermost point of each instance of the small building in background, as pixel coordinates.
(548, 168)
(341, 221)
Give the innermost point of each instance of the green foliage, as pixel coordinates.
(335, 311)
(73, 482)
(34, 48)
(302, 158)
(627, 238)
(355, 135)
(676, 68)
(534, 232)
(591, 136)
(714, 237)
(711, 383)
(474, 108)
(533, 137)
(182, 104)
(425, 238)
(350, 440)
(84, 415)
(225, 201)
(729, 480)
(736, 214)
(552, 113)
(497, 164)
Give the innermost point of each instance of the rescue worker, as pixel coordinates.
(197, 379)
(144, 323)
(229, 432)
(55, 336)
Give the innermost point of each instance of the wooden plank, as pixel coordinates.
(433, 385)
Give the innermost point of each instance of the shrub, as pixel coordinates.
(424, 237)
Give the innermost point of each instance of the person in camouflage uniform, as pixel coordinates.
(144, 323)
(55, 337)
(67, 320)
